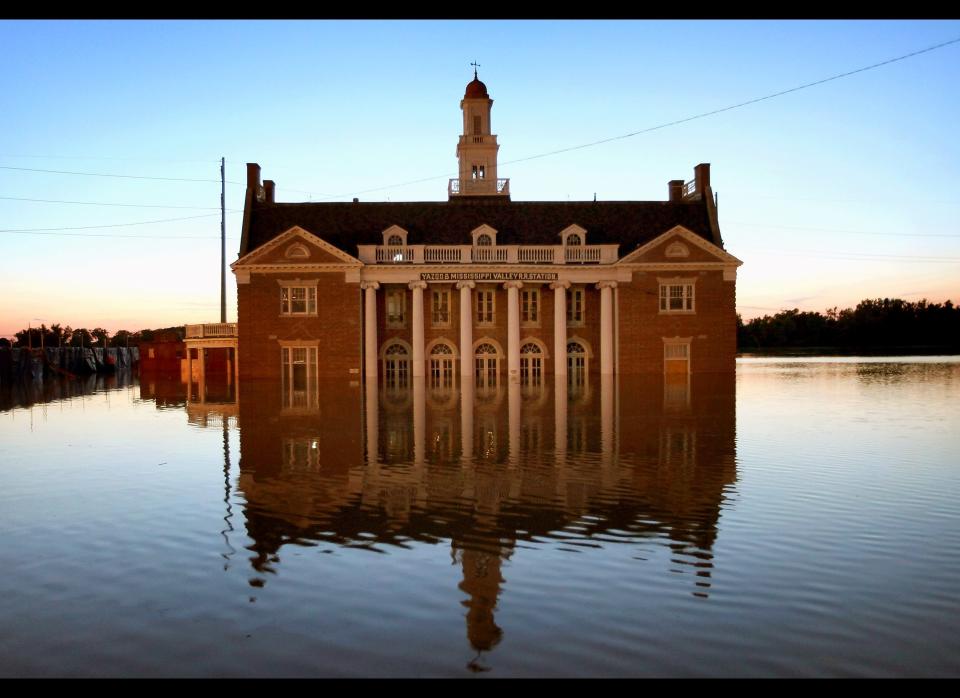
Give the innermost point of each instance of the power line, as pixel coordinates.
(113, 235)
(853, 232)
(110, 225)
(103, 203)
(100, 157)
(868, 257)
(120, 176)
(677, 121)
(741, 104)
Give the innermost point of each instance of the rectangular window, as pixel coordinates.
(530, 306)
(676, 297)
(298, 300)
(575, 306)
(485, 307)
(396, 300)
(441, 308)
(299, 376)
(476, 125)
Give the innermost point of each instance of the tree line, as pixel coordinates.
(882, 322)
(58, 336)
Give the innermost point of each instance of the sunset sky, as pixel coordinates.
(842, 191)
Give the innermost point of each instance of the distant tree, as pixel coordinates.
(881, 322)
(100, 336)
(4, 343)
(124, 338)
(81, 337)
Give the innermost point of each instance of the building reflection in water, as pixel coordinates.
(625, 459)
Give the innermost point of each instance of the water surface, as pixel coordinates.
(798, 519)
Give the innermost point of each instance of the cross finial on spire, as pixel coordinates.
(475, 66)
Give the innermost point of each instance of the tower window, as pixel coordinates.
(478, 171)
(476, 125)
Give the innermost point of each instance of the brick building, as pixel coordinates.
(479, 285)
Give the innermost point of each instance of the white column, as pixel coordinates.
(560, 327)
(370, 330)
(466, 421)
(513, 421)
(560, 419)
(466, 329)
(513, 329)
(419, 421)
(372, 421)
(418, 366)
(606, 326)
(607, 390)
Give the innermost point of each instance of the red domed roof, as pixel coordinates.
(476, 90)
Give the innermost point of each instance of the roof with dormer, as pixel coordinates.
(630, 224)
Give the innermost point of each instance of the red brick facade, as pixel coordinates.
(336, 326)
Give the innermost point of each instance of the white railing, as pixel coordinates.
(492, 254)
(391, 253)
(489, 254)
(579, 254)
(690, 188)
(216, 329)
(442, 254)
(478, 187)
(536, 255)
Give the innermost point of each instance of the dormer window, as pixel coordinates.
(395, 236)
(573, 235)
(484, 236)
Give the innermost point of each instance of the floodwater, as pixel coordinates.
(799, 519)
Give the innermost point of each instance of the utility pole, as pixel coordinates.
(223, 240)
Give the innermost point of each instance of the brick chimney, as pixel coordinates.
(701, 175)
(675, 187)
(253, 174)
(269, 187)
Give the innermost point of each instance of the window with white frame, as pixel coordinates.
(676, 296)
(676, 355)
(485, 307)
(530, 306)
(395, 240)
(396, 365)
(440, 305)
(441, 366)
(531, 364)
(396, 306)
(576, 364)
(299, 376)
(298, 300)
(486, 365)
(575, 306)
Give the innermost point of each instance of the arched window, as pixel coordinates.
(395, 241)
(441, 366)
(574, 239)
(396, 365)
(531, 364)
(576, 364)
(486, 369)
(484, 240)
